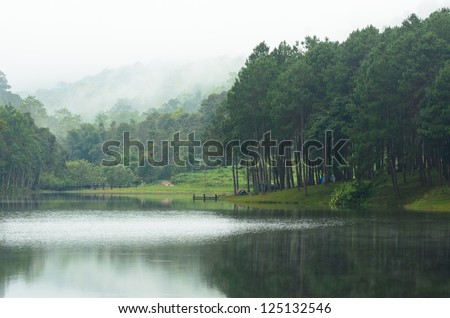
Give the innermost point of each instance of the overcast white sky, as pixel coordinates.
(47, 41)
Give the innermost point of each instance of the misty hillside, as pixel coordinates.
(143, 86)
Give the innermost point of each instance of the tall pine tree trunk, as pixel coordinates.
(302, 137)
(234, 177)
(393, 174)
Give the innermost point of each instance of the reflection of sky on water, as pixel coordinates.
(96, 273)
(55, 228)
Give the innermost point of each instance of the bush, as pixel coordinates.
(82, 172)
(50, 180)
(119, 176)
(350, 193)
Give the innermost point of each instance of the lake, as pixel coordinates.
(106, 246)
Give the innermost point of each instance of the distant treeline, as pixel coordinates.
(388, 92)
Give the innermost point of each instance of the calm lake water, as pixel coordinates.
(87, 246)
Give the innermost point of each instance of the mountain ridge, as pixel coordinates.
(144, 86)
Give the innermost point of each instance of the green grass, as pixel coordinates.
(413, 196)
(219, 178)
(209, 182)
(157, 188)
(436, 199)
(318, 196)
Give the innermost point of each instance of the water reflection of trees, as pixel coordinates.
(80, 201)
(372, 260)
(15, 262)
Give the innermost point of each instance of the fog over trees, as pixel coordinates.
(143, 86)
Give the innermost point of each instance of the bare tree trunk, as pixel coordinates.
(261, 178)
(430, 181)
(248, 178)
(277, 177)
(237, 177)
(325, 168)
(282, 172)
(293, 178)
(420, 164)
(256, 173)
(448, 173)
(253, 179)
(270, 177)
(311, 176)
(302, 137)
(288, 179)
(234, 177)
(297, 173)
(291, 170)
(9, 178)
(265, 175)
(440, 168)
(404, 159)
(394, 176)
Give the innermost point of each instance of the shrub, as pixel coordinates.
(350, 193)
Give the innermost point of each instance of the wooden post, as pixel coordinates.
(204, 197)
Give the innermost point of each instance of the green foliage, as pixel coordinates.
(211, 115)
(84, 143)
(435, 112)
(51, 180)
(82, 172)
(185, 102)
(6, 97)
(26, 151)
(350, 193)
(123, 111)
(64, 121)
(4, 86)
(36, 110)
(119, 176)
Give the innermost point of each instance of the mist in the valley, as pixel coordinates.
(142, 86)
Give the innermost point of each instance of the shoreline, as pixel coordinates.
(414, 196)
(417, 198)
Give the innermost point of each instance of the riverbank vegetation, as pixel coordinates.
(375, 194)
(379, 195)
(386, 91)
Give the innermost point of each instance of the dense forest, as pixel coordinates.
(387, 91)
